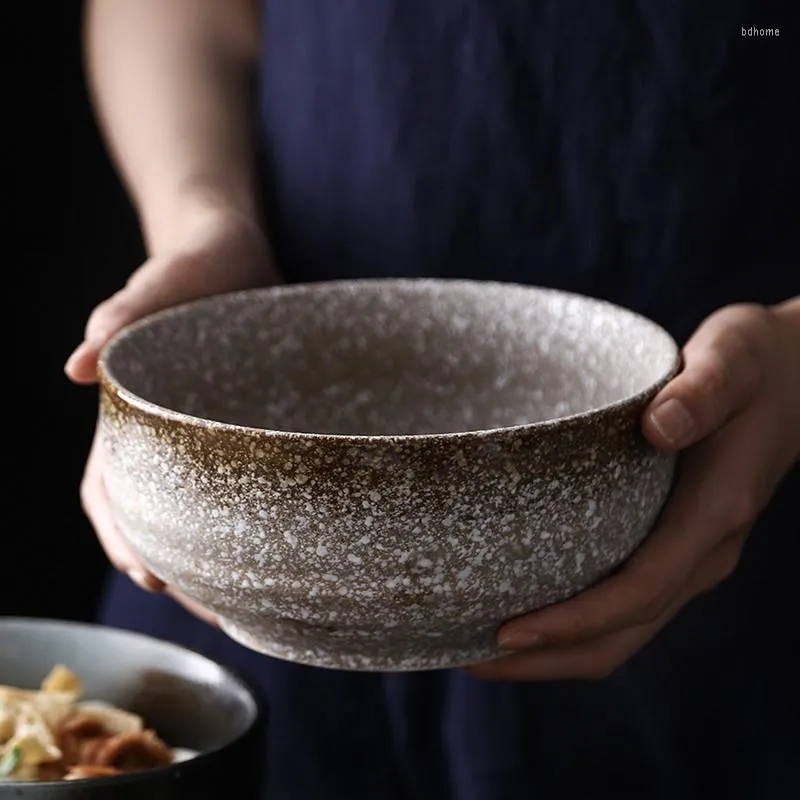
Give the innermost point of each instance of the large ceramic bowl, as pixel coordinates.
(189, 701)
(376, 474)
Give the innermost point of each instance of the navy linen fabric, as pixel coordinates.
(642, 151)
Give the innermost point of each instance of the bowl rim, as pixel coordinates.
(111, 384)
(145, 775)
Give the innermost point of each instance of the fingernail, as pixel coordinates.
(144, 580)
(519, 640)
(673, 421)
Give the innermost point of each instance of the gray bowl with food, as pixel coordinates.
(94, 713)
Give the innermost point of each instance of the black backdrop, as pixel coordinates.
(69, 239)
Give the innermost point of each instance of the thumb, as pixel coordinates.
(159, 283)
(121, 309)
(722, 371)
(222, 252)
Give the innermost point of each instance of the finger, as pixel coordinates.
(159, 283)
(723, 368)
(81, 366)
(194, 608)
(123, 557)
(599, 658)
(149, 289)
(589, 660)
(106, 320)
(719, 564)
(97, 508)
(227, 252)
(723, 484)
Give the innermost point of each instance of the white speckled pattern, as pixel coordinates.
(359, 474)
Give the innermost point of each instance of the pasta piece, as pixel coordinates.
(62, 679)
(132, 752)
(114, 719)
(77, 733)
(53, 708)
(33, 738)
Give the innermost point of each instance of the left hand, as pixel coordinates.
(735, 410)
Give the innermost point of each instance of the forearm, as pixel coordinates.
(171, 82)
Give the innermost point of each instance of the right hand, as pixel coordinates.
(217, 252)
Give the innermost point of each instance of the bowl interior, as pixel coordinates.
(390, 357)
(189, 700)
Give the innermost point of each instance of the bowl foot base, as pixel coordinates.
(343, 659)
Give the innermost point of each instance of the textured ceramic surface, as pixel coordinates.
(376, 474)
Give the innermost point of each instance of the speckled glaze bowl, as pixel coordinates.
(376, 474)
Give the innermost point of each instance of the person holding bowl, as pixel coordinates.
(643, 154)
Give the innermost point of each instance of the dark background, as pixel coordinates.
(69, 240)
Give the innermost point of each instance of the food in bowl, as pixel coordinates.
(52, 734)
(189, 700)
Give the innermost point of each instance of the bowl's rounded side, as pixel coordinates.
(376, 474)
(378, 553)
(189, 700)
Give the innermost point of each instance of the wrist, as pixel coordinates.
(167, 223)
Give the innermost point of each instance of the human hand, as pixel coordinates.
(735, 411)
(216, 252)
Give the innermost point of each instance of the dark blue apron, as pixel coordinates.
(641, 151)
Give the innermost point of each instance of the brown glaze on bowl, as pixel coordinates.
(376, 474)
